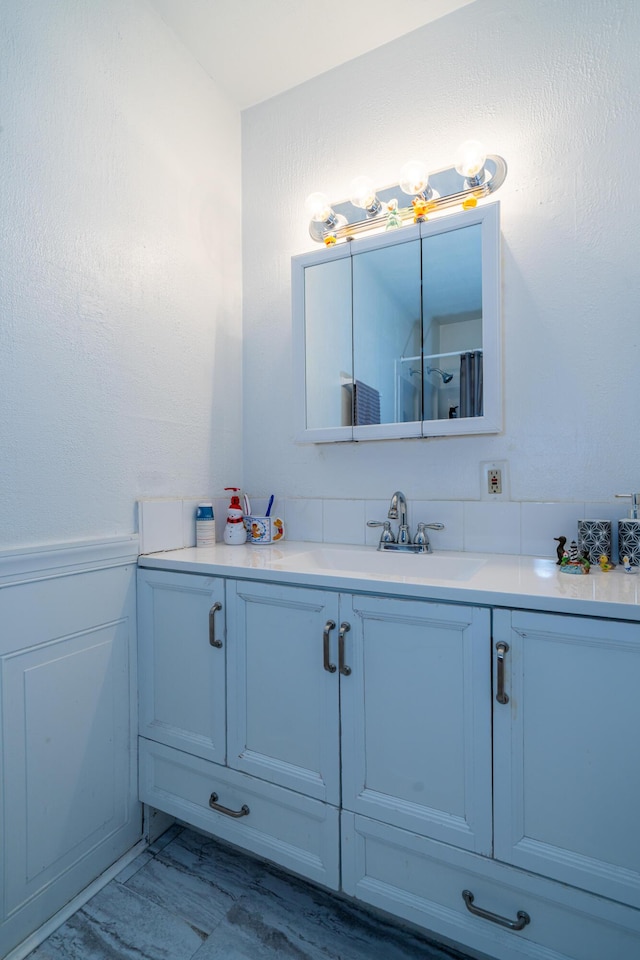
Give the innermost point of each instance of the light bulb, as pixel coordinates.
(318, 207)
(413, 178)
(469, 160)
(363, 193)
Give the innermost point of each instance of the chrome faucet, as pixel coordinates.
(398, 511)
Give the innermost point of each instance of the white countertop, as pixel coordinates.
(488, 579)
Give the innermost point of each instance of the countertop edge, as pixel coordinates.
(478, 590)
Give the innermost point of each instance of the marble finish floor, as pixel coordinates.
(189, 897)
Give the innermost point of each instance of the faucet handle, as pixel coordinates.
(386, 536)
(421, 537)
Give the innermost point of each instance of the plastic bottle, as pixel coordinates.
(205, 525)
(234, 530)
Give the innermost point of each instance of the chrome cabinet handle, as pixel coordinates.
(519, 924)
(501, 649)
(212, 625)
(344, 669)
(328, 627)
(242, 812)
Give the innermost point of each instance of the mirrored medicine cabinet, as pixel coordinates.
(398, 334)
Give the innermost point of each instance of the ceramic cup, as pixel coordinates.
(264, 529)
(629, 541)
(594, 539)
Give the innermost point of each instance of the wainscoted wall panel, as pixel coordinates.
(68, 760)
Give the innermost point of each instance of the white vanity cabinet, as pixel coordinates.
(566, 796)
(472, 771)
(238, 720)
(414, 733)
(565, 805)
(395, 689)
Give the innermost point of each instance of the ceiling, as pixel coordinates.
(255, 49)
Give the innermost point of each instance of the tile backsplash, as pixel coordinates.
(507, 526)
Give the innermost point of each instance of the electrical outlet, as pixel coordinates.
(494, 480)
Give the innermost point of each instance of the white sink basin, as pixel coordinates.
(369, 561)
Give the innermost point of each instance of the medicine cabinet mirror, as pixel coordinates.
(398, 335)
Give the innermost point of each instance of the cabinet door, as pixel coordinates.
(182, 661)
(416, 718)
(323, 345)
(567, 766)
(283, 703)
(398, 335)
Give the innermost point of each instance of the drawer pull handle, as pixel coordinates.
(212, 625)
(344, 669)
(328, 627)
(519, 924)
(213, 803)
(501, 649)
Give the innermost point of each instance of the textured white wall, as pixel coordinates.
(120, 270)
(553, 87)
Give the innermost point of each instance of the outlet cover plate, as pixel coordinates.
(486, 468)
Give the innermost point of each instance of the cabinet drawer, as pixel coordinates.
(295, 831)
(422, 880)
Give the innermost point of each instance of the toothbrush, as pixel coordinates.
(271, 498)
(247, 505)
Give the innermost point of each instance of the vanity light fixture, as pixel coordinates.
(469, 162)
(321, 212)
(474, 175)
(363, 195)
(414, 180)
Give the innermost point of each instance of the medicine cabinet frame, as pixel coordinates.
(490, 421)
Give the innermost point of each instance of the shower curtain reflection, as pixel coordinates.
(471, 384)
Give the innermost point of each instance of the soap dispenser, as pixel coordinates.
(629, 531)
(234, 530)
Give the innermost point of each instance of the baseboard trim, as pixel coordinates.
(51, 925)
